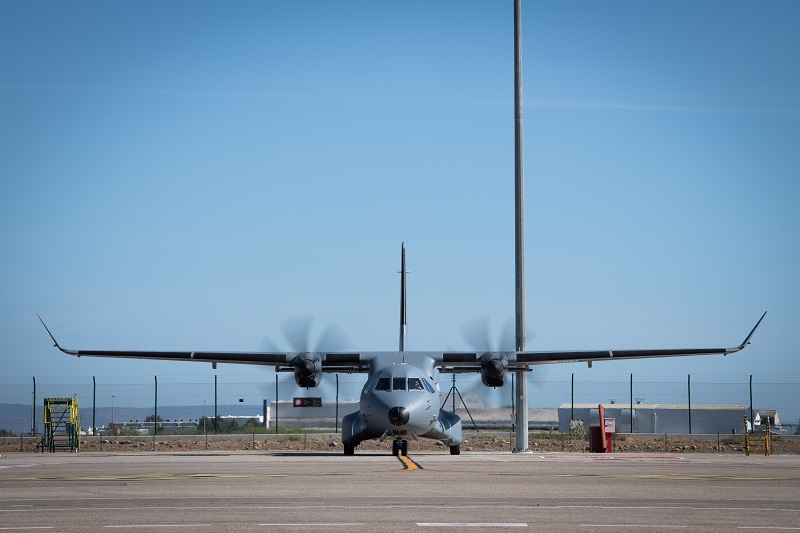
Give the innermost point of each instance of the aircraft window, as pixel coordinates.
(383, 384)
(428, 386)
(398, 383)
(415, 384)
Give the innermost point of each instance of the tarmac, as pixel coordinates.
(295, 491)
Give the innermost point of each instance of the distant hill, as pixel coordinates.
(17, 418)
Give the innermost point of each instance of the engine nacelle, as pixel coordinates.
(308, 370)
(494, 369)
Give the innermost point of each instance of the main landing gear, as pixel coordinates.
(400, 447)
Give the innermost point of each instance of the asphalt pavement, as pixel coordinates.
(376, 492)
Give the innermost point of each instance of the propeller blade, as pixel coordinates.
(297, 331)
(334, 339)
(476, 333)
(508, 336)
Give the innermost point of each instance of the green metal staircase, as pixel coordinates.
(62, 425)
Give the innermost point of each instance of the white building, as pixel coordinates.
(659, 418)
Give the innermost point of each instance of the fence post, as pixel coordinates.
(631, 403)
(572, 400)
(94, 407)
(215, 404)
(33, 408)
(689, 384)
(336, 430)
(155, 409)
(276, 403)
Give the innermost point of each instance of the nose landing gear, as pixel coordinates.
(400, 447)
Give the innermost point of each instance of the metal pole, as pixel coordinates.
(33, 409)
(689, 384)
(336, 430)
(631, 403)
(513, 411)
(454, 393)
(215, 404)
(572, 400)
(519, 233)
(155, 409)
(94, 407)
(751, 404)
(276, 403)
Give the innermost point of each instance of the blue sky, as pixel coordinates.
(188, 175)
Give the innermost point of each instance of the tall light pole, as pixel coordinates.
(521, 421)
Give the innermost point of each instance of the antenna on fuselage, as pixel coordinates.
(403, 335)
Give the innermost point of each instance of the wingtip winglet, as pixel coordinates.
(750, 335)
(55, 342)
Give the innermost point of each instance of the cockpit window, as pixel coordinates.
(383, 384)
(415, 384)
(398, 383)
(428, 386)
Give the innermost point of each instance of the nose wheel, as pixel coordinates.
(400, 447)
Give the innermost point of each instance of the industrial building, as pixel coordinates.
(659, 418)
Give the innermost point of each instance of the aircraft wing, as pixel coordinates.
(458, 362)
(536, 358)
(283, 361)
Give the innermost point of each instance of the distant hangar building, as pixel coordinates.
(659, 418)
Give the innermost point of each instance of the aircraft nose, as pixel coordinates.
(398, 416)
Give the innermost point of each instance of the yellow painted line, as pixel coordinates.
(408, 464)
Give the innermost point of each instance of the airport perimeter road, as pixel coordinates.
(331, 492)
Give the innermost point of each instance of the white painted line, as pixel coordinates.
(471, 524)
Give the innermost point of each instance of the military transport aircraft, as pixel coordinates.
(401, 399)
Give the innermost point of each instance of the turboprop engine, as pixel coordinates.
(308, 370)
(494, 369)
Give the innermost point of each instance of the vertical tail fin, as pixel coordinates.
(403, 337)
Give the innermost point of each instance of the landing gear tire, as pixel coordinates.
(349, 449)
(455, 450)
(400, 447)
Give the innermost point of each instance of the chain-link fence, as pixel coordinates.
(171, 405)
